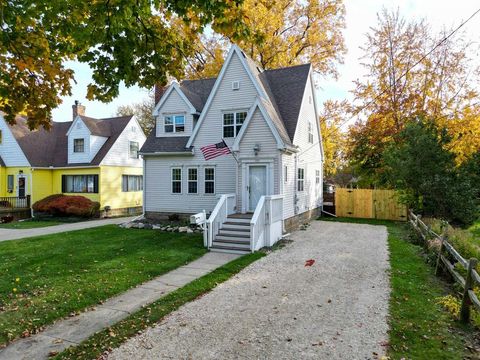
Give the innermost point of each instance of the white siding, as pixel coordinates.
(119, 154)
(309, 156)
(10, 151)
(174, 104)
(79, 130)
(288, 185)
(96, 142)
(158, 169)
(258, 132)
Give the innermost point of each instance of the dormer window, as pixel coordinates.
(174, 123)
(232, 123)
(78, 145)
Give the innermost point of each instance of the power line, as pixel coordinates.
(403, 75)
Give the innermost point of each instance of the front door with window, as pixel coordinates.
(21, 186)
(257, 185)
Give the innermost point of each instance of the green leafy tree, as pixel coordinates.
(131, 41)
(420, 167)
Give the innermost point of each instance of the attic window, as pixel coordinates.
(235, 85)
(78, 145)
(310, 133)
(174, 123)
(79, 125)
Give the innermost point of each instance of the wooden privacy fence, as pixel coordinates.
(369, 204)
(450, 258)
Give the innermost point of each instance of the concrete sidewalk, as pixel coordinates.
(14, 234)
(74, 330)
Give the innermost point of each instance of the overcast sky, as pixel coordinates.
(361, 14)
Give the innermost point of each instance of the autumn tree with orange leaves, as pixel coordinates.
(404, 83)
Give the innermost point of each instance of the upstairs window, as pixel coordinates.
(78, 145)
(317, 177)
(176, 180)
(174, 123)
(301, 179)
(310, 133)
(232, 123)
(133, 150)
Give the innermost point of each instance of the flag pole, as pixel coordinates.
(231, 152)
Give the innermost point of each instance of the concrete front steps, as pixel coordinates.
(234, 236)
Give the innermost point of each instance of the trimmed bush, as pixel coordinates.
(65, 205)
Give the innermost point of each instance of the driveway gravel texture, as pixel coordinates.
(281, 308)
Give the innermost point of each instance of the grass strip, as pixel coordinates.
(419, 327)
(104, 341)
(29, 224)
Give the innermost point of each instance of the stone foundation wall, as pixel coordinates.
(293, 223)
(163, 216)
(131, 211)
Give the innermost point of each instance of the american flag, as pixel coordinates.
(214, 150)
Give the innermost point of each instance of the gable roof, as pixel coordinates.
(165, 144)
(54, 142)
(283, 89)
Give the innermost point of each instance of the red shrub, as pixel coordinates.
(65, 205)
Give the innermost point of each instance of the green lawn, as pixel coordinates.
(30, 224)
(419, 327)
(475, 230)
(49, 277)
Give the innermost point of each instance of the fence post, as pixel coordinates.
(439, 258)
(466, 302)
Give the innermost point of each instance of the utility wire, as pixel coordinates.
(403, 74)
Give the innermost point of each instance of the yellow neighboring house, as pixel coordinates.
(95, 158)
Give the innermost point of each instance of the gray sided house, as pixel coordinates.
(272, 179)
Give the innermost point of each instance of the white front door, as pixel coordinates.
(257, 185)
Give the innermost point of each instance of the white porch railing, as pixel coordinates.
(225, 206)
(266, 226)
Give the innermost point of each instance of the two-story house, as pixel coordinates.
(269, 120)
(95, 158)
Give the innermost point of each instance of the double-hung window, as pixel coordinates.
(10, 180)
(174, 123)
(176, 180)
(301, 179)
(78, 145)
(209, 180)
(192, 180)
(232, 123)
(132, 183)
(310, 132)
(133, 150)
(317, 177)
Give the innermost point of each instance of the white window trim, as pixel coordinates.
(310, 132)
(189, 181)
(173, 124)
(73, 145)
(214, 180)
(235, 112)
(130, 142)
(317, 177)
(171, 180)
(302, 180)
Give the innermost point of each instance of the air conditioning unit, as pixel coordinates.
(235, 85)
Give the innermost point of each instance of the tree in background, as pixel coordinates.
(441, 87)
(283, 33)
(130, 40)
(333, 138)
(419, 165)
(142, 111)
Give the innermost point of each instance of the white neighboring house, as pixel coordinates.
(273, 179)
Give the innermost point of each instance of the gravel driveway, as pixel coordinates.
(278, 308)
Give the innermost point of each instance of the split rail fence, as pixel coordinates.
(449, 257)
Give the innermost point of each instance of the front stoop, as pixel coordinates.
(234, 236)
